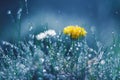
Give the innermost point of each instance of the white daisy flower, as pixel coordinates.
(51, 32)
(45, 34)
(41, 36)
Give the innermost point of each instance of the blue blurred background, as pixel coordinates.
(103, 15)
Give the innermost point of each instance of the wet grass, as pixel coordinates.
(59, 58)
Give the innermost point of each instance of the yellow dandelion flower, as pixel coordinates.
(75, 31)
